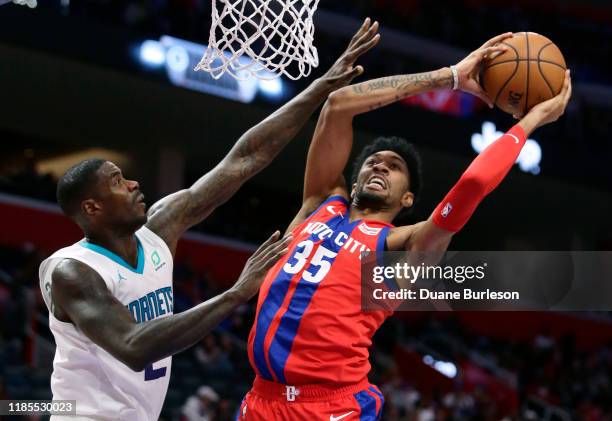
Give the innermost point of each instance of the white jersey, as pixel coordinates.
(103, 387)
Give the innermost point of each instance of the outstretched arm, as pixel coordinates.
(333, 139)
(174, 214)
(483, 175)
(80, 296)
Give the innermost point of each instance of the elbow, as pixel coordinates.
(136, 366)
(133, 355)
(473, 185)
(134, 360)
(337, 102)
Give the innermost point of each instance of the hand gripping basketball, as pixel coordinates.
(468, 69)
(549, 111)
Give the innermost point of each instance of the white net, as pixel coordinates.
(30, 3)
(261, 38)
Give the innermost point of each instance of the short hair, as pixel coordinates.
(405, 150)
(76, 183)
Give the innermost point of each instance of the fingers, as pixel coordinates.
(492, 52)
(365, 38)
(365, 26)
(483, 95)
(276, 251)
(567, 89)
(353, 73)
(267, 243)
(497, 39)
(348, 76)
(363, 48)
(272, 259)
(567, 85)
(274, 248)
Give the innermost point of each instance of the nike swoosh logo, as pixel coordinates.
(333, 211)
(332, 418)
(515, 138)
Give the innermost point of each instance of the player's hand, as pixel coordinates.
(548, 111)
(258, 265)
(344, 70)
(468, 69)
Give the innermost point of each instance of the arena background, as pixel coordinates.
(78, 80)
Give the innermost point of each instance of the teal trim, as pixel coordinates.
(117, 259)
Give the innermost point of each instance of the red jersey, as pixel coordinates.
(309, 327)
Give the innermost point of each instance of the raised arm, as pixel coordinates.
(483, 175)
(81, 297)
(333, 139)
(174, 214)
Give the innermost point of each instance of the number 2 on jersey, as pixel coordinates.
(321, 261)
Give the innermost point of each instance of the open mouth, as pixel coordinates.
(376, 183)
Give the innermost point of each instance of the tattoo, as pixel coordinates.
(406, 85)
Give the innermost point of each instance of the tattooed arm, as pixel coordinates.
(333, 138)
(377, 93)
(171, 216)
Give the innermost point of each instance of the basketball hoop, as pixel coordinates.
(261, 38)
(30, 3)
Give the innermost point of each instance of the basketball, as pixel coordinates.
(532, 70)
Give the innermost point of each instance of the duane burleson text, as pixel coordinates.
(425, 294)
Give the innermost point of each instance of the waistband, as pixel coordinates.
(305, 393)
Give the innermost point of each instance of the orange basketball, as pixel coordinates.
(531, 71)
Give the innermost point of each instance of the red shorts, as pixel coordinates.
(271, 401)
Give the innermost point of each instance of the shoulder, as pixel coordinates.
(151, 239)
(73, 281)
(423, 236)
(332, 205)
(71, 275)
(316, 207)
(399, 237)
(166, 217)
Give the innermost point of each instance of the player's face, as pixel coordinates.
(383, 181)
(120, 200)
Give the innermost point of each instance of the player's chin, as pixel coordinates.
(141, 218)
(367, 195)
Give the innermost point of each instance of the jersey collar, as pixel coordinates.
(116, 258)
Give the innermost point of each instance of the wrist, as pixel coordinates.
(323, 86)
(235, 297)
(446, 79)
(455, 74)
(530, 123)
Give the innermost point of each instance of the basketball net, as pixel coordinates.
(261, 38)
(29, 3)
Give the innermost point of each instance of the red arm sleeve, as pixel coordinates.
(482, 176)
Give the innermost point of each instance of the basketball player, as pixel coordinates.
(309, 343)
(110, 295)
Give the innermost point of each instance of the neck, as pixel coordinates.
(382, 214)
(123, 244)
